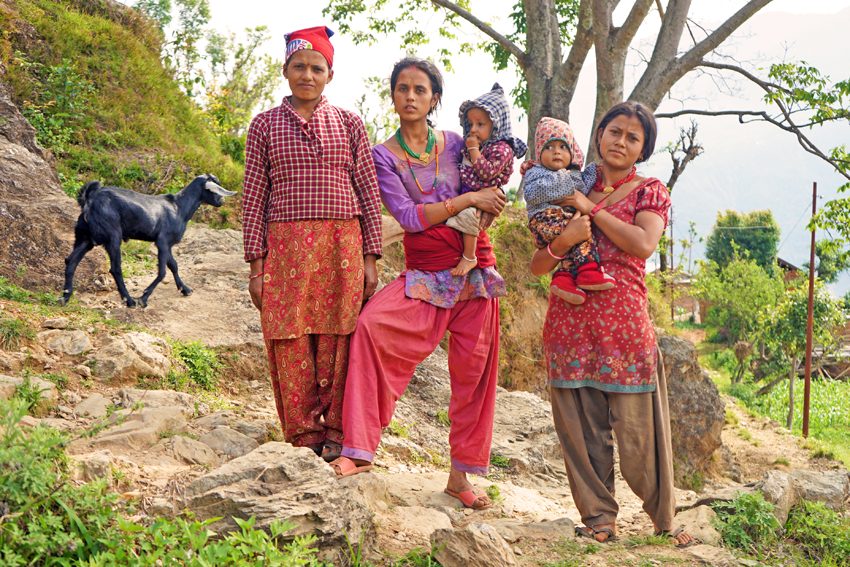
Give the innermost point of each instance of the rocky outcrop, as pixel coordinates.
(785, 490)
(129, 356)
(697, 413)
(36, 217)
(477, 545)
(48, 394)
(282, 482)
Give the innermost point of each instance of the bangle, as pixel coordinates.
(599, 206)
(473, 259)
(474, 148)
(549, 249)
(450, 206)
(255, 276)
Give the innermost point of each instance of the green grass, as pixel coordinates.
(12, 332)
(500, 461)
(399, 430)
(136, 129)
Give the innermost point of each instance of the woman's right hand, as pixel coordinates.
(576, 232)
(255, 288)
(490, 200)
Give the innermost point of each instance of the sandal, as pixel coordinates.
(469, 497)
(611, 537)
(583, 531)
(343, 467)
(331, 451)
(675, 533)
(316, 448)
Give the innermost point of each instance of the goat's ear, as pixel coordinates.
(219, 190)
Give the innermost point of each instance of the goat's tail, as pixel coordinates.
(86, 191)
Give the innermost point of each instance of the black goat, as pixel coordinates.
(111, 214)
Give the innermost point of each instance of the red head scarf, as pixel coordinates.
(317, 39)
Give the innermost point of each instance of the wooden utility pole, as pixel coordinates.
(809, 322)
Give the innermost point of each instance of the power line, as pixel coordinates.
(792, 230)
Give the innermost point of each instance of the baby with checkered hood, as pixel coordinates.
(488, 161)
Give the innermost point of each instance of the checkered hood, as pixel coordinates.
(549, 129)
(496, 105)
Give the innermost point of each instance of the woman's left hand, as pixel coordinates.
(370, 276)
(577, 201)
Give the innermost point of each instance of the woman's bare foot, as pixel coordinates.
(682, 538)
(604, 532)
(458, 483)
(463, 267)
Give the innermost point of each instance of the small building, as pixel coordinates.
(789, 270)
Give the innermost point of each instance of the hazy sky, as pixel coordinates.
(744, 166)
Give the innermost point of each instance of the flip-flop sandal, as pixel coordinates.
(582, 531)
(343, 466)
(316, 448)
(611, 537)
(468, 497)
(331, 451)
(675, 533)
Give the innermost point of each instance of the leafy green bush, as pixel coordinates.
(12, 292)
(823, 532)
(49, 522)
(201, 363)
(746, 523)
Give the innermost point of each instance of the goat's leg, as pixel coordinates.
(113, 248)
(82, 246)
(172, 265)
(162, 256)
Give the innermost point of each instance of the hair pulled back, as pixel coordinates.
(427, 67)
(631, 109)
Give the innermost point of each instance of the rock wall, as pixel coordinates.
(36, 217)
(697, 413)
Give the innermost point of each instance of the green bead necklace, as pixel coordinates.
(425, 156)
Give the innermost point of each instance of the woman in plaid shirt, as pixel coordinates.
(420, 186)
(312, 233)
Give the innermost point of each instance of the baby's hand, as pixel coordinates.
(472, 141)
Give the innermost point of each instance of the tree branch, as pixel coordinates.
(582, 43)
(510, 46)
(626, 33)
(660, 77)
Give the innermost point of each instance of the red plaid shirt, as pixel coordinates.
(298, 170)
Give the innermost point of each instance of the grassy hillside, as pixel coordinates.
(88, 75)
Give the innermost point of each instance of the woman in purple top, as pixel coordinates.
(403, 323)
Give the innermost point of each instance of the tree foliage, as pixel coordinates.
(831, 261)
(741, 290)
(238, 83)
(755, 234)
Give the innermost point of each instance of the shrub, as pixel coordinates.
(747, 522)
(201, 363)
(823, 532)
(48, 522)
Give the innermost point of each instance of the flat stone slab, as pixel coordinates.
(229, 442)
(142, 429)
(153, 399)
(93, 406)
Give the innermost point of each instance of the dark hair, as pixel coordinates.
(647, 121)
(426, 67)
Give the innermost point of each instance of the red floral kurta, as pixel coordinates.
(608, 341)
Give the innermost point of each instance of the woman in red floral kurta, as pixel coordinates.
(601, 355)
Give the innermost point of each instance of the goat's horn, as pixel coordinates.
(219, 190)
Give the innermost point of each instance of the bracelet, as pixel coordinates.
(450, 206)
(475, 148)
(255, 276)
(549, 249)
(599, 206)
(473, 259)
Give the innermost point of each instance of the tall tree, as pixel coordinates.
(831, 261)
(754, 235)
(542, 31)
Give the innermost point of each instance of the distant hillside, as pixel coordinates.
(88, 75)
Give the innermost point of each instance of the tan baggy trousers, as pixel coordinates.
(586, 420)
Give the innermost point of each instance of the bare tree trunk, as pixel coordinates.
(790, 421)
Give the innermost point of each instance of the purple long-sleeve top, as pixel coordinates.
(406, 203)
(399, 192)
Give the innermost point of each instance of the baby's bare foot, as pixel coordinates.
(463, 267)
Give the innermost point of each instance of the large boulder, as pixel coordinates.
(129, 356)
(697, 413)
(138, 430)
(785, 490)
(286, 483)
(477, 545)
(36, 217)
